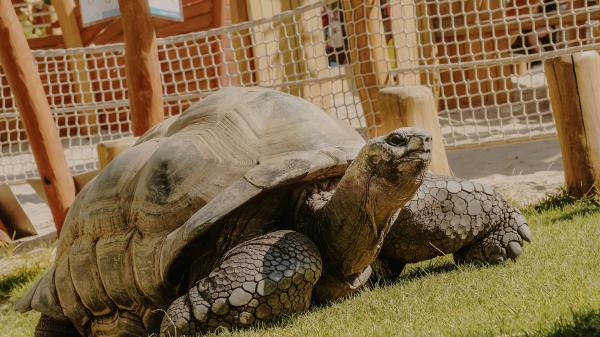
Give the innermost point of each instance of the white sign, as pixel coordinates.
(168, 9)
(93, 11)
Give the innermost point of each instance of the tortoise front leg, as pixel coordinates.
(454, 216)
(50, 327)
(259, 280)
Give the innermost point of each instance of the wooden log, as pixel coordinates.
(575, 97)
(364, 31)
(414, 106)
(141, 65)
(107, 151)
(20, 69)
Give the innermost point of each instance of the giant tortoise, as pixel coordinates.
(252, 205)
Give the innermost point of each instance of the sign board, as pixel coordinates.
(167, 9)
(93, 11)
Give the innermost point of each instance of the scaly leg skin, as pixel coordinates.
(448, 215)
(49, 327)
(259, 280)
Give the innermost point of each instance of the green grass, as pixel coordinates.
(553, 290)
(17, 273)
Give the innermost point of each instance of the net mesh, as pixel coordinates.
(482, 59)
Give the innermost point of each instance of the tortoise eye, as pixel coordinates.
(396, 140)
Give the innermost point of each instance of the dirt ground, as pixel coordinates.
(524, 172)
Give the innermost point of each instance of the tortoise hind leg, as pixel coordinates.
(503, 243)
(50, 327)
(449, 215)
(259, 280)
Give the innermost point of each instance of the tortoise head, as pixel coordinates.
(386, 173)
(395, 163)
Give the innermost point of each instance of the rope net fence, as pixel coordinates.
(483, 60)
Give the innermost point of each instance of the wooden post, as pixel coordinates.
(292, 52)
(141, 66)
(367, 55)
(311, 51)
(20, 69)
(406, 39)
(65, 11)
(273, 46)
(221, 45)
(107, 151)
(575, 97)
(414, 106)
(427, 48)
(242, 45)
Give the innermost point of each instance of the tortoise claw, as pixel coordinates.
(524, 232)
(514, 249)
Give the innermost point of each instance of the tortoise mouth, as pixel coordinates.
(415, 155)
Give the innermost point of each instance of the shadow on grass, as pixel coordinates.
(14, 281)
(584, 324)
(419, 272)
(570, 207)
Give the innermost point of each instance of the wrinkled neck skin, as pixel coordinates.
(349, 229)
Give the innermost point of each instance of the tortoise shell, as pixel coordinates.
(129, 225)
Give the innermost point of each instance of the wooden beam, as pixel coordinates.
(367, 55)
(21, 72)
(513, 25)
(142, 66)
(13, 215)
(46, 42)
(414, 106)
(65, 10)
(575, 97)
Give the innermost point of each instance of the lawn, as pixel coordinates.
(553, 290)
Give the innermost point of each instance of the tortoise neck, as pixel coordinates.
(353, 228)
(350, 225)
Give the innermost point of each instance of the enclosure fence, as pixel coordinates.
(481, 58)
